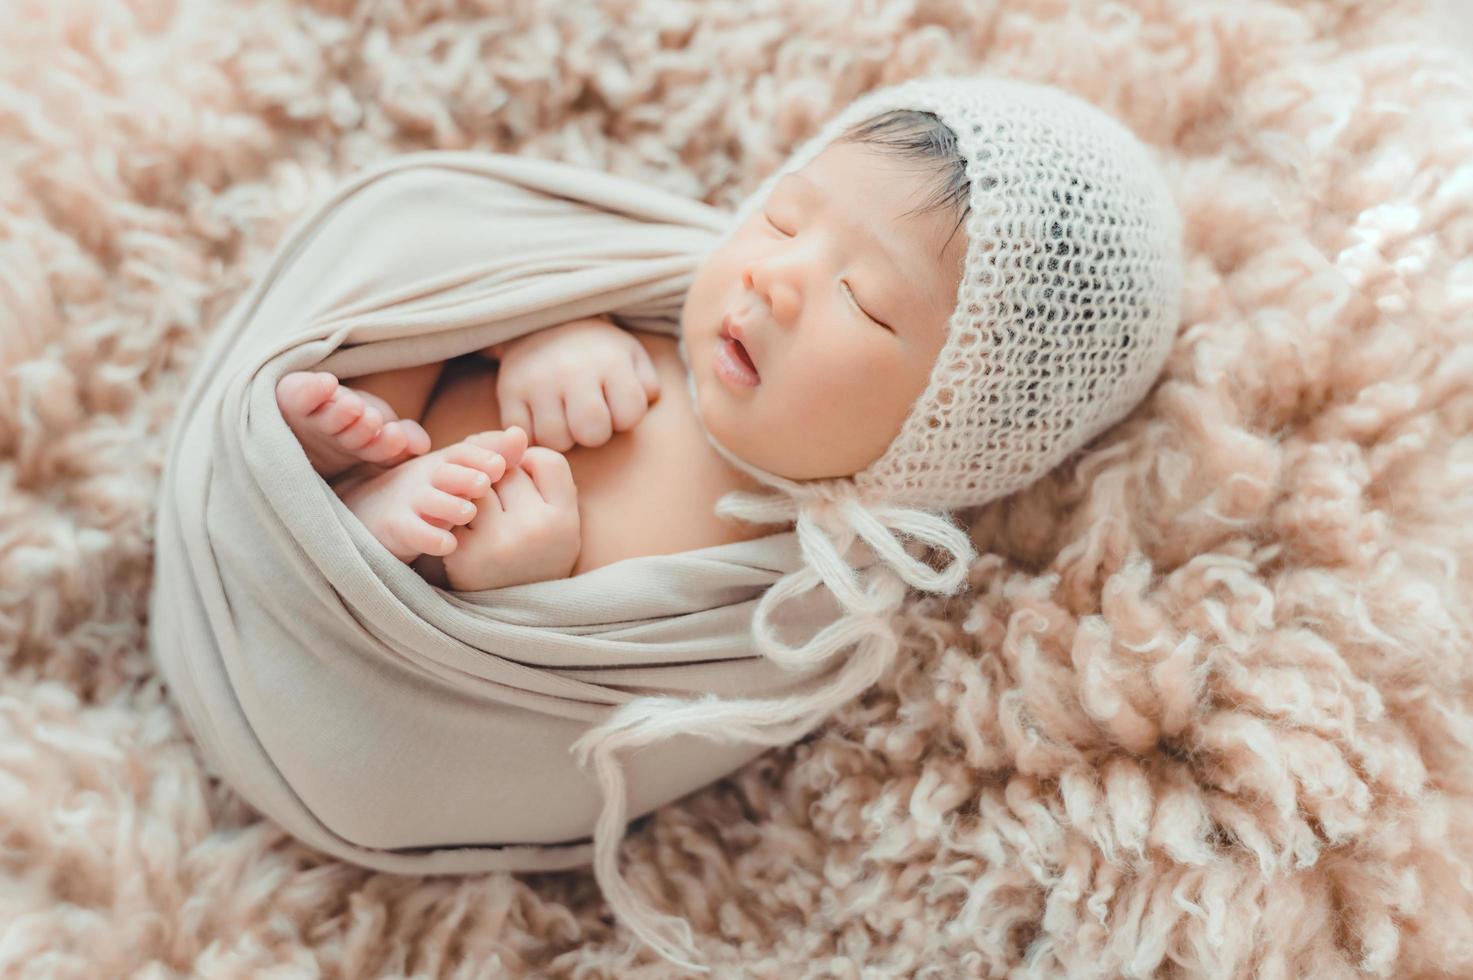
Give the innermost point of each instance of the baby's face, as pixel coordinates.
(842, 304)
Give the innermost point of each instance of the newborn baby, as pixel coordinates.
(842, 355)
(810, 333)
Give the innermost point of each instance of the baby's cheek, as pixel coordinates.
(837, 393)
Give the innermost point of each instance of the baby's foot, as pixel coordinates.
(410, 508)
(340, 427)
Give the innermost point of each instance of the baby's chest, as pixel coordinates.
(648, 491)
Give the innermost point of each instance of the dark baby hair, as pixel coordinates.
(916, 135)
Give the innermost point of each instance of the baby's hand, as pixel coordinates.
(576, 383)
(526, 528)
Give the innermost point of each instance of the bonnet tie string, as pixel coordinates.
(880, 526)
(865, 623)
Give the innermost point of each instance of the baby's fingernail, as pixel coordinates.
(481, 481)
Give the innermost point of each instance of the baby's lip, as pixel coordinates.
(731, 328)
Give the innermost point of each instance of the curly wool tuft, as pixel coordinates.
(1208, 710)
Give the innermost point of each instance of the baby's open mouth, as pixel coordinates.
(742, 353)
(733, 362)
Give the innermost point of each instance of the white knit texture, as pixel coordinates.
(1069, 297)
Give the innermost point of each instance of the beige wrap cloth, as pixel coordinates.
(378, 718)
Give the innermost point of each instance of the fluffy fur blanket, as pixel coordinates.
(1208, 710)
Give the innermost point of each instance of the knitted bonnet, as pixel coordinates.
(1066, 310)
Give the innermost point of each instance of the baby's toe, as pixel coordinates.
(460, 480)
(418, 439)
(341, 411)
(363, 431)
(477, 457)
(416, 536)
(303, 392)
(388, 444)
(509, 442)
(448, 507)
(397, 441)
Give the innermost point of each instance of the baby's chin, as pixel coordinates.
(723, 423)
(734, 421)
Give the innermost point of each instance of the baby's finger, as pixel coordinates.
(627, 400)
(644, 370)
(552, 475)
(549, 425)
(516, 491)
(588, 415)
(490, 504)
(515, 411)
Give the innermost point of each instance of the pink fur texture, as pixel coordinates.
(1207, 712)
